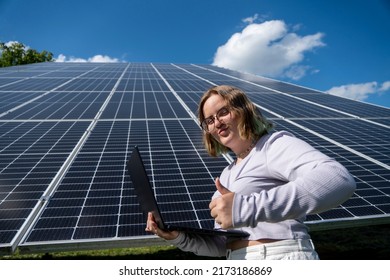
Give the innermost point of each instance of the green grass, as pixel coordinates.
(140, 253)
(361, 243)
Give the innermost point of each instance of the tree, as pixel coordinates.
(16, 54)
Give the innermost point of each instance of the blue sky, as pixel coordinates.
(339, 46)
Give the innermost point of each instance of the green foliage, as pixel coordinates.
(17, 54)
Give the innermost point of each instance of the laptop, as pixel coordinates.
(148, 201)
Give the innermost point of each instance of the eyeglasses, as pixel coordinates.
(208, 124)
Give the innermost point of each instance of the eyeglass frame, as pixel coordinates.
(205, 126)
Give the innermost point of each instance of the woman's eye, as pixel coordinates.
(209, 121)
(223, 112)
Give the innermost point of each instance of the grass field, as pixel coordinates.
(361, 243)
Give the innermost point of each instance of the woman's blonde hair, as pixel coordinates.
(251, 125)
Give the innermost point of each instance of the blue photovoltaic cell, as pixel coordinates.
(61, 105)
(9, 100)
(93, 192)
(350, 106)
(362, 136)
(31, 155)
(67, 130)
(34, 84)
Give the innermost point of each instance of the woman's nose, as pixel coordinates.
(218, 123)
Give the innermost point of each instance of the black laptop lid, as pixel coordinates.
(142, 186)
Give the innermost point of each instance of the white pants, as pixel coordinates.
(301, 249)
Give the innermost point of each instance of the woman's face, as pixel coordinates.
(225, 130)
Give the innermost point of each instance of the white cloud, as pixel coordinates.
(268, 49)
(359, 91)
(385, 86)
(251, 20)
(102, 58)
(96, 58)
(296, 72)
(10, 43)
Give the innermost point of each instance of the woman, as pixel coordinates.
(274, 182)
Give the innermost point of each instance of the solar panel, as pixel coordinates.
(67, 129)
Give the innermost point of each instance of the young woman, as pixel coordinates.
(274, 182)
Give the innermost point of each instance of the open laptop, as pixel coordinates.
(148, 201)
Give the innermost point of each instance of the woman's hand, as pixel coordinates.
(151, 226)
(221, 207)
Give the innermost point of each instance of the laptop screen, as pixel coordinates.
(142, 186)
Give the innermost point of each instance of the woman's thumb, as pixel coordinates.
(221, 188)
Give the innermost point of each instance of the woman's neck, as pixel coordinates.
(248, 146)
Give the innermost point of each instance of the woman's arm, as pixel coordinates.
(203, 245)
(314, 183)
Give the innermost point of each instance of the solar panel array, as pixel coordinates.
(67, 130)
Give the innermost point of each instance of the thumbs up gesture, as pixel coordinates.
(221, 207)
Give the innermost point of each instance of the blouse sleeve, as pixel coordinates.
(202, 245)
(313, 183)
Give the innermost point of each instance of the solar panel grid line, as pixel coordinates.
(228, 157)
(118, 108)
(359, 108)
(174, 93)
(160, 113)
(206, 80)
(153, 176)
(197, 76)
(296, 97)
(90, 185)
(22, 230)
(111, 94)
(92, 201)
(24, 79)
(159, 109)
(53, 185)
(324, 137)
(289, 107)
(341, 145)
(19, 138)
(149, 143)
(24, 104)
(35, 209)
(42, 95)
(8, 100)
(64, 168)
(89, 84)
(373, 122)
(367, 200)
(284, 82)
(84, 111)
(308, 90)
(124, 174)
(372, 141)
(59, 109)
(45, 121)
(181, 175)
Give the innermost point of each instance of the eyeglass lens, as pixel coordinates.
(208, 124)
